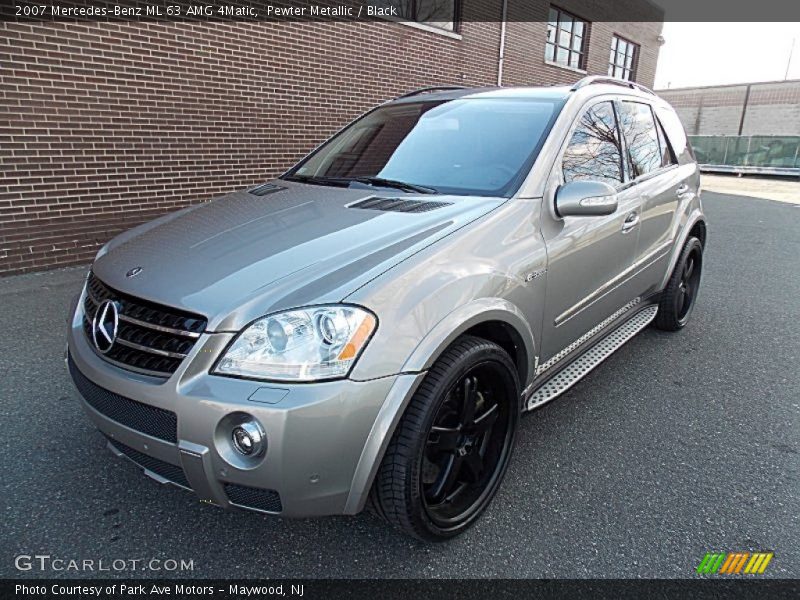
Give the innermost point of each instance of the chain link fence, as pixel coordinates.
(766, 154)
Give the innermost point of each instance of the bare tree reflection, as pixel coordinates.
(594, 151)
(638, 127)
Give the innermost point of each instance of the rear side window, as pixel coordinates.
(594, 150)
(641, 138)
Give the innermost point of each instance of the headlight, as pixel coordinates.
(321, 342)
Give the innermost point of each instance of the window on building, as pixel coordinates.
(622, 62)
(594, 150)
(566, 39)
(437, 13)
(641, 138)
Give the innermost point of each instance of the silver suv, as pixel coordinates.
(368, 328)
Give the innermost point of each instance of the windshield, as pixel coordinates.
(467, 146)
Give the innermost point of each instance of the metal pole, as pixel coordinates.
(789, 62)
(744, 108)
(502, 53)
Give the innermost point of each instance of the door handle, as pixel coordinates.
(682, 189)
(631, 221)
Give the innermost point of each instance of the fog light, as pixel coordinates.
(249, 439)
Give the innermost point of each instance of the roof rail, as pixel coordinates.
(592, 79)
(433, 88)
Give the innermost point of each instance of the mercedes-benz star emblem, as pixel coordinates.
(104, 325)
(133, 272)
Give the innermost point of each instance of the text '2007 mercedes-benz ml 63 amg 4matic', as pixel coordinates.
(368, 328)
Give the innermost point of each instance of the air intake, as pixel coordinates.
(398, 205)
(264, 189)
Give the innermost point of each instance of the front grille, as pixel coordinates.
(173, 473)
(249, 497)
(151, 338)
(158, 422)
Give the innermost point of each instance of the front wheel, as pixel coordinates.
(679, 296)
(451, 449)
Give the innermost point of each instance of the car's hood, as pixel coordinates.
(241, 256)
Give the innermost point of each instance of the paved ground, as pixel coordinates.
(782, 189)
(677, 445)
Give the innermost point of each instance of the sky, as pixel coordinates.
(717, 53)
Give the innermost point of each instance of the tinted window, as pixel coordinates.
(639, 129)
(469, 146)
(594, 149)
(439, 13)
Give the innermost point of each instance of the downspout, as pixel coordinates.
(502, 53)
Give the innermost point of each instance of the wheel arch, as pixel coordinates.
(494, 319)
(695, 225)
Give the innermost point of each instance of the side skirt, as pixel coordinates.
(573, 370)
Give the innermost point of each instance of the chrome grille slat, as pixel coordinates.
(161, 328)
(153, 350)
(128, 319)
(142, 345)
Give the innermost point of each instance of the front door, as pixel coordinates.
(589, 258)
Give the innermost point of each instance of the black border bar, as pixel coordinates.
(432, 589)
(359, 10)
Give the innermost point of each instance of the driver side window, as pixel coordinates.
(594, 151)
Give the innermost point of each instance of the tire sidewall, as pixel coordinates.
(486, 354)
(668, 317)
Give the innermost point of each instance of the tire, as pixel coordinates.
(433, 484)
(679, 296)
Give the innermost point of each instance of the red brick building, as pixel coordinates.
(105, 125)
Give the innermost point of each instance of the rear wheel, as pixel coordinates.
(678, 299)
(451, 449)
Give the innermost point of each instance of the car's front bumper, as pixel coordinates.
(321, 437)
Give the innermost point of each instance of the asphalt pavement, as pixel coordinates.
(678, 445)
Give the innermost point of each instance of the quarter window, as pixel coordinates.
(594, 150)
(566, 39)
(641, 138)
(667, 156)
(622, 62)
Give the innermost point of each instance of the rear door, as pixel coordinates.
(653, 171)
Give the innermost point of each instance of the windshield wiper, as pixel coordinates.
(393, 183)
(319, 180)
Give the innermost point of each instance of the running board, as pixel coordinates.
(581, 366)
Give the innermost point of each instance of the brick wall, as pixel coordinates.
(527, 31)
(107, 125)
(773, 108)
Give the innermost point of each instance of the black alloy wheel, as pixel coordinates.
(680, 294)
(451, 449)
(465, 446)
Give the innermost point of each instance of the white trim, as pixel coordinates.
(553, 63)
(425, 27)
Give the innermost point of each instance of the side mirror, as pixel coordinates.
(585, 199)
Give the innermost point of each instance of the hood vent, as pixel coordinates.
(265, 188)
(398, 205)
